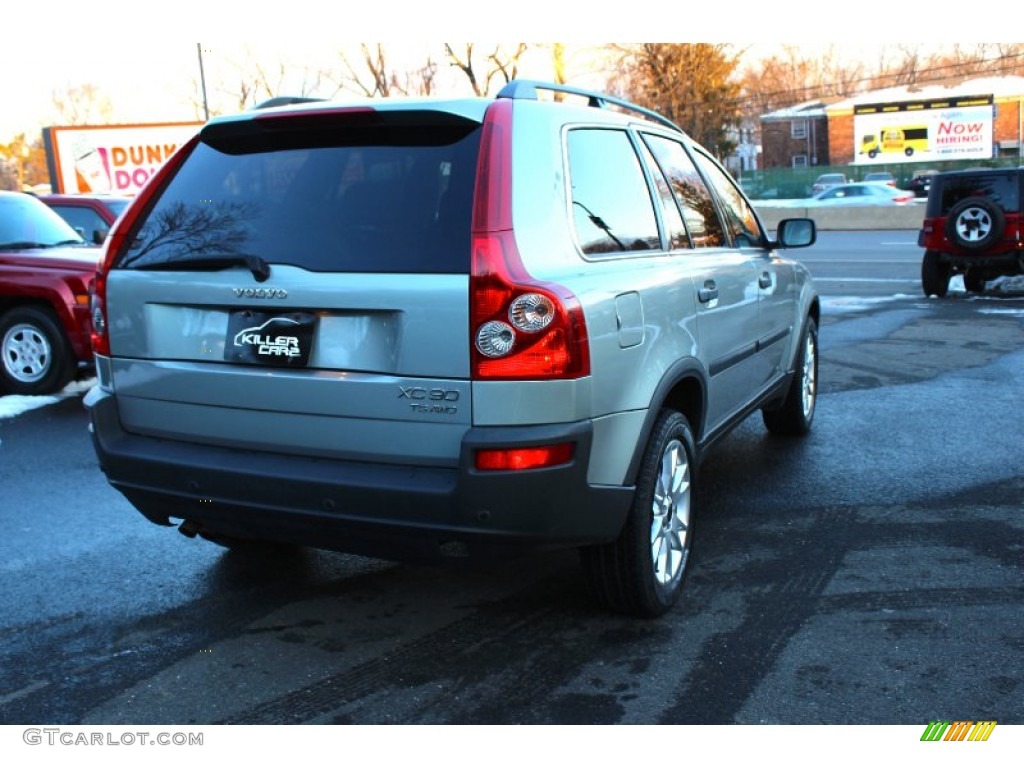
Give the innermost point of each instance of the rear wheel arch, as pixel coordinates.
(813, 313)
(795, 412)
(641, 572)
(54, 297)
(683, 388)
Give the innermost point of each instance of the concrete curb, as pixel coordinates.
(849, 217)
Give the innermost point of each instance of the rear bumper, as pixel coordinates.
(389, 511)
(1003, 263)
(1006, 257)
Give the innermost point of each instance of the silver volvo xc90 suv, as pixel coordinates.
(446, 328)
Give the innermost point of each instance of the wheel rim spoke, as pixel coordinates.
(670, 513)
(26, 354)
(809, 376)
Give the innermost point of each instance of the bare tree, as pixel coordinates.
(370, 73)
(836, 75)
(500, 63)
(238, 83)
(981, 60)
(274, 81)
(903, 66)
(791, 78)
(83, 104)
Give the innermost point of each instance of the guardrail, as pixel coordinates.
(851, 217)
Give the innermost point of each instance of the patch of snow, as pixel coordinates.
(1014, 285)
(13, 405)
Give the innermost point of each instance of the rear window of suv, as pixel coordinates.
(323, 194)
(1002, 189)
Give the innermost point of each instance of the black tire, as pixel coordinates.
(796, 413)
(909, 151)
(873, 153)
(36, 356)
(974, 281)
(975, 223)
(641, 573)
(934, 275)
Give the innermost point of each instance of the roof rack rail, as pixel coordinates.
(283, 101)
(527, 89)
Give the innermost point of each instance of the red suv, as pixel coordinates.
(91, 216)
(45, 272)
(973, 226)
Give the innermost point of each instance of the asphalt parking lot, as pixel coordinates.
(870, 574)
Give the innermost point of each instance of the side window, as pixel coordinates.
(742, 222)
(672, 218)
(691, 193)
(82, 219)
(611, 204)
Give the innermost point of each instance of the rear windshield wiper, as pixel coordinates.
(257, 265)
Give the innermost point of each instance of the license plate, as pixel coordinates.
(280, 339)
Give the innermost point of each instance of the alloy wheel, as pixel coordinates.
(27, 353)
(670, 524)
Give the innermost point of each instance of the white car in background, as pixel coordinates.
(862, 193)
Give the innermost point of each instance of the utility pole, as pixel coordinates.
(202, 79)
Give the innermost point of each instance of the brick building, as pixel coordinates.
(977, 119)
(797, 137)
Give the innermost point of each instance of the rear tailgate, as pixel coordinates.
(301, 286)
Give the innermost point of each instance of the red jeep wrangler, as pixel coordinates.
(45, 272)
(973, 226)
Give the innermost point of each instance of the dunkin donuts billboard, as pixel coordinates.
(114, 159)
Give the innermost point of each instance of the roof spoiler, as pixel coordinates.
(283, 101)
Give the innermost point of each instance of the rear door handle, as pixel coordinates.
(709, 292)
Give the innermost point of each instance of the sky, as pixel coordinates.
(146, 61)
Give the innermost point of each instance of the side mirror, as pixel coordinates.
(99, 235)
(795, 233)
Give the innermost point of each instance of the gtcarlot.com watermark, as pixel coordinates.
(73, 738)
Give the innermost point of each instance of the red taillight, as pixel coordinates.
(520, 327)
(98, 314)
(516, 459)
(903, 199)
(117, 240)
